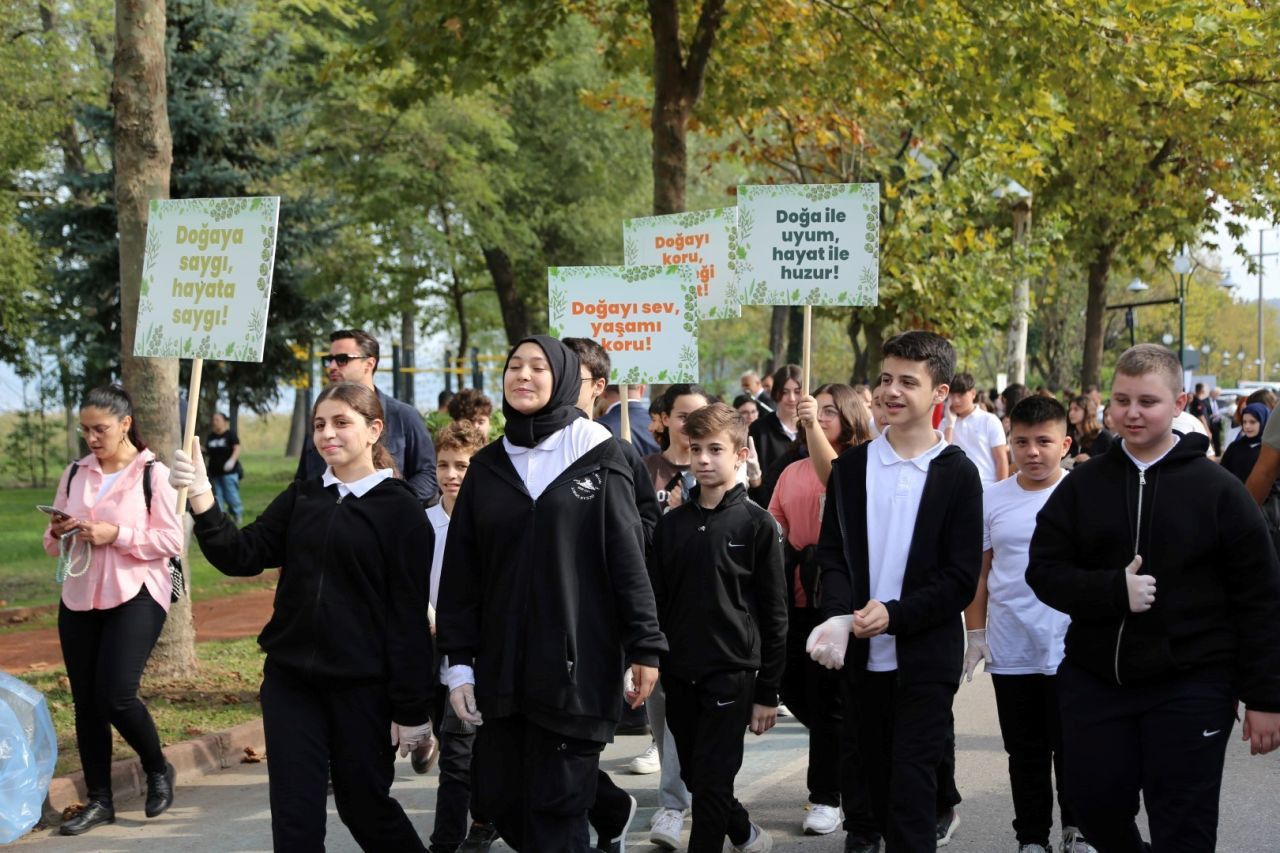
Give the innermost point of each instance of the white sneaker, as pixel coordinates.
(646, 762)
(668, 827)
(821, 820)
(783, 710)
(759, 842)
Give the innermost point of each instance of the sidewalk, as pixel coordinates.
(228, 811)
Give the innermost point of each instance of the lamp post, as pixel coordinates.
(1018, 198)
(1131, 316)
(1182, 266)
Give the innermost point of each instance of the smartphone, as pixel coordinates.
(53, 511)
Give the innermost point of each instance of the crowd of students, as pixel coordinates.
(855, 554)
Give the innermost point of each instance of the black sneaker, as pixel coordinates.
(480, 838)
(859, 844)
(947, 824)
(614, 839)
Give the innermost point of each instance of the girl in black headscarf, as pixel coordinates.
(536, 617)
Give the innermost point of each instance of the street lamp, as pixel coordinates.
(1130, 315)
(1182, 266)
(1018, 198)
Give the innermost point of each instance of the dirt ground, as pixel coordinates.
(225, 618)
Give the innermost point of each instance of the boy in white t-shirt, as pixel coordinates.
(977, 432)
(1018, 636)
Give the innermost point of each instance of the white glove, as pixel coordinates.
(229, 465)
(753, 461)
(188, 471)
(408, 737)
(1142, 588)
(463, 701)
(628, 683)
(829, 641)
(978, 651)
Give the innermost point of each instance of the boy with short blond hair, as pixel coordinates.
(717, 575)
(900, 552)
(1165, 634)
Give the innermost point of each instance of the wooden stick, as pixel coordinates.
(808, 347)
(189, 434)
(624, 392)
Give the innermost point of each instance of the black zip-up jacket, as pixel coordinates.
(722, 600)
(942, 565)
(546, 599)
(351, 603)
(1217, 606)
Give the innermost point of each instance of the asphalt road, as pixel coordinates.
(228, 811)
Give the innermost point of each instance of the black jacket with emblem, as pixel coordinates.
(722, 601)
(351, 602)
(546, 599)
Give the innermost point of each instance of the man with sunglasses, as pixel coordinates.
(353, 357)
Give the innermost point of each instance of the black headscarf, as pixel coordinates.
(561, 410)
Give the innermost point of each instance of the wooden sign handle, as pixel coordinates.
(625, 427)
(808, 349)
(189, 434)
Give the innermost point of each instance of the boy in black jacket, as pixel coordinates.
(1166, 632)
(717, 575)
(900, 552)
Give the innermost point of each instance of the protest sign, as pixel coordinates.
(645, 317)
(206, 278)
(206, 286)
(809, 244)
(707, 239)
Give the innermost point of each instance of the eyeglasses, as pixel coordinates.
(97, 429)
(826, 413)
(340, 358)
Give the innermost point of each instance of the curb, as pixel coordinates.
(190, 759)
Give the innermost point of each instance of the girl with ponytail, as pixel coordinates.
(349, 648)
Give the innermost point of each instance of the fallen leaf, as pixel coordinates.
(251, 756)
(71, 811)
(37, 665)
(194, 731)
(230, 699)
(64, 682)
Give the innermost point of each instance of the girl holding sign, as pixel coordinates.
(543, 596)
(775, 433)
(348, 676)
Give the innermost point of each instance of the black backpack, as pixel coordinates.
(176, 576)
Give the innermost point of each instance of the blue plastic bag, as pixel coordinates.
(28, 751)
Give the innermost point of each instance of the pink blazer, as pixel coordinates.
(139, 556)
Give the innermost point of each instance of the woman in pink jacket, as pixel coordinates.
(115, 595)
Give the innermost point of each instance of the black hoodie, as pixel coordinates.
(1217, 604)
(351, 602)
(942, 568)
(547, 598)
(722, 601)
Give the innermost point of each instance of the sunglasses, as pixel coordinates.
(341, 359)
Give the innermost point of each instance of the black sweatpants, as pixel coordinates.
(453, 793)
(1028, 709)
(812, 693)
(902, 735)
(1167, 739)
(316, 732)
(534, 784)
(708, 721)
(105, 652)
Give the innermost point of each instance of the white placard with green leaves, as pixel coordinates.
(706, 239)
(206, 278)
(809, 244)
(646, 318)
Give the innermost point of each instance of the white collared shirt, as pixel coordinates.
(360, 487)
(440, 526)
(978, 434)
(894, 488)
(538, 466)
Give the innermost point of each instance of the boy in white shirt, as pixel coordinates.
(1019, 637)
(977, 432)
(900, 552)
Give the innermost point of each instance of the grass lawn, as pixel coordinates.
(26, 571)
(222, 695)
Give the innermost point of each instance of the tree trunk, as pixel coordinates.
(873, 332)
(858, 372)
(1099, 272)
(1020, 305)
(408, 341)
(299, 423)
(677, 86)
(777, 337)
(515, 314)
(143, 157)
